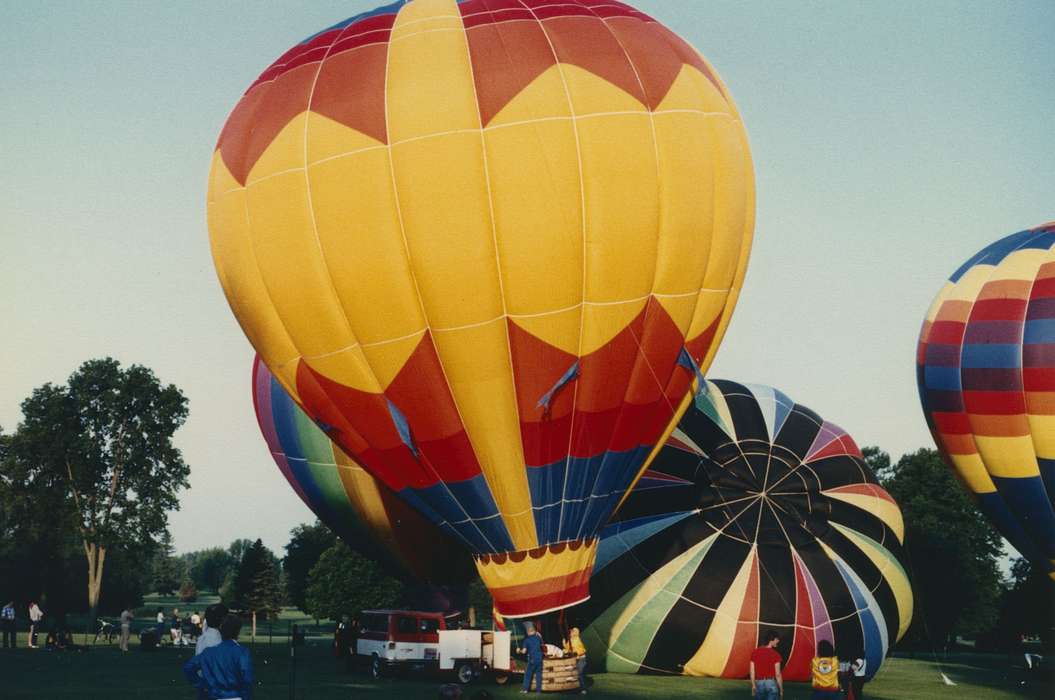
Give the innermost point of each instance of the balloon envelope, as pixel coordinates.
(488, 245)
(359, 509)
(986, 374)
(756, 516)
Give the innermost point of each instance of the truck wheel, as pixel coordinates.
(501, 678)
(377, 669)
(466, 673)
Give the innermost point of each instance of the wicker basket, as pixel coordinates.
(559, 675)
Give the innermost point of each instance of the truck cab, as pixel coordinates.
(392, 638)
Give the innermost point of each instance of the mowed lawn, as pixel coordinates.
(105, 672)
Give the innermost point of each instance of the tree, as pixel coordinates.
(1027, 608)
(306, 545)
(265, 593)
(209, 567)
(344, 582)
(187, 592)
(256, 559)
(106, 437)
(952, 549)
(168, 568)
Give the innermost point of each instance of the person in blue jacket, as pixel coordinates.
(225, 671)
(533, 648)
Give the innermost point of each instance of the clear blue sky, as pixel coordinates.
(891, 141)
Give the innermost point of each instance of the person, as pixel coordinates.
(35, 616)
(176, 628)
(859, 668)
(210, 634)
(573, 646)
(160, 627)
(7, 623)
(533, 648)
(824, 672)
(195, 623)
(766, 681)
(353, 640)
(225, 671)
(126, 627)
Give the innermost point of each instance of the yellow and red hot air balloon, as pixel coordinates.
(489, 245)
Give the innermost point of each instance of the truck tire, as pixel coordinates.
(377, 669)
(501, 678)
(466, 673)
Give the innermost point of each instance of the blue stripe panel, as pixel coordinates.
(995, 509)
(991, 356)
(284, 413)
(875, 648)
(1040, 330)
(457, 502)
(784, 406)
(618, 471)
(995, 253)
(621, 537)
(1028, 500)
(946, 378)
(1047, 473)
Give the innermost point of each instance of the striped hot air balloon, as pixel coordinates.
(359, 509)
(986, 373)
(489, 245)
(756, 516)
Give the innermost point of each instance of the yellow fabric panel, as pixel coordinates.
(935, 305)
(407, 28)
(358, 226)
(284, 153)
(561, 330)
(349, 367)
(429, 88)
(686, 179)
(622, 206)
(591, 94)
(691, 89)
(894, 575)
(968, 286)
(240, 278)
(1020, 265)
(446, 218)
(544, 97)
(296, 275)
(1009, 457)
(600, 323)
(365, 496)
(709, 306)
(388, 358)
(654, 586)
(881, 508)
(681, 310)
(328, 139)
(533, 171)
(476, 362)
(711, 657)
(972, 471)
(1042, 430)
(530, 569)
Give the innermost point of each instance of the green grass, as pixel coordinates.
(104, 672)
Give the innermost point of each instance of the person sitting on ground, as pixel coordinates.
(824, 673)
(766, 682)
(226, 670)
(210, 635)
(51, 642)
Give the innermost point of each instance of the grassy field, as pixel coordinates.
(104, 672)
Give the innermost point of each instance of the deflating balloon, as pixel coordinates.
(757, 515)
(986, 373)
(489, 245)
(362, 511)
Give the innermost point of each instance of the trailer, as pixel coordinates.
(474, 653)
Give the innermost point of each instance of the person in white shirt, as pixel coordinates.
(126, 627)
(210, 635)
(859, 667)
(35, 615)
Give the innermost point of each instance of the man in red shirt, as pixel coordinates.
(766, 683)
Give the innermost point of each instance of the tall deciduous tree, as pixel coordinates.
(953, 551)
(344, 582)
(105, 437)
(305, 547)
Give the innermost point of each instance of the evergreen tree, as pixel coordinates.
(265, 594)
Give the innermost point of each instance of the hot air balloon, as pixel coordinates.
(986, 373)
(359, 509)
(488, 245)
(757, 515)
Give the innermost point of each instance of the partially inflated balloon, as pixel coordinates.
(489, 245)
(986, 373)
(359, 509)
(756, 516)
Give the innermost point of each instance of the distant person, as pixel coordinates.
(766, 681)
(354, 630)
(126, 627)
(210, 633)
(575, 647)
(160, 626)
(195, 624)
(51, 641)
(35, 616)
(533, 648)
(224, 671)
(824, 672)
(7, 624)
(858, 668)
(176, 628)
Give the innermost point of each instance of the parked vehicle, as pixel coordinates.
(473, 653)
(389, 639)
